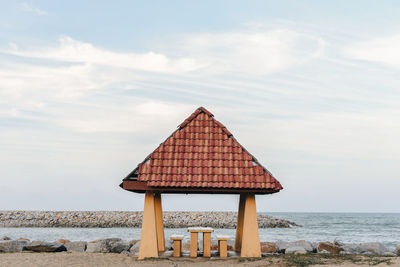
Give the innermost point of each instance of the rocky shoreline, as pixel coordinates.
(107, 219)
(117, 245)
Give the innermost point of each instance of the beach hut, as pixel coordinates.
(200, 157)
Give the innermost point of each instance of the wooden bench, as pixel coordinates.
(177, 245)
(223, 245)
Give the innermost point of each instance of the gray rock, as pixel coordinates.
(350, 249)
(169, 245)
(295, 250)
(12, 245)
(118, 246)
(314, 246)
(168, 253)
(375, 248)
(76, 246)
(283, 245)
(97, 246)
(324, 252)
(4, 238)
(337, 242)
(135, 248)
(398, 250)
(233, 254)
(40, 246)
(125, 252)
(304, 244)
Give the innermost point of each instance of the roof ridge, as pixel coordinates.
(194, 115)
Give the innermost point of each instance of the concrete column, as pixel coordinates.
(239, 225)
(159, 222)
(148, 239)
(250, 245)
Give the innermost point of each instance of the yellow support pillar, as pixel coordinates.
(148, 239)
(250, 243)
(239, 225)
(159, 223)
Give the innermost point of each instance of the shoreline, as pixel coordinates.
(109, 219)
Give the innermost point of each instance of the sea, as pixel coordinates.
(315, 227)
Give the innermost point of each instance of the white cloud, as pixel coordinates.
(260, 52)
(28, 7)
(382, 50)
(147, 117)
(70, 50)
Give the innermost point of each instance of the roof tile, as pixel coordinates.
(203, 153)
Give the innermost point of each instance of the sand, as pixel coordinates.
(97, 259)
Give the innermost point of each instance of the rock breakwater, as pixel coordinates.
(117, 245)
(107, 219)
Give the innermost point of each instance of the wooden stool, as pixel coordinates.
(223, 245)
(177, 245)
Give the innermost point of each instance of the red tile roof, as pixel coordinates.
(202, 153)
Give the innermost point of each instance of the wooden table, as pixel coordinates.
(194, 231)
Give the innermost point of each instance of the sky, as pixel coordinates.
(89, 88)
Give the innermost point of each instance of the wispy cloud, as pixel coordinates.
(381, 50)
(252, 52)
(29, 7)
(70, 50)
(73, 70)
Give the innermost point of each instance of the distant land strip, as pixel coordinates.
(107, 219)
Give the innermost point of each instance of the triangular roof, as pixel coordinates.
(203, 154)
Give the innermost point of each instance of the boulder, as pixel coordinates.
(337, 242)
(135, 248)
(168, 253)
(231, 244)
(63, 241)
(398, 250)
(24, 239)
(41, 246)
(186, 245)
(4, 238)
(76, 246)
(302, 243)
(350, 249)
(169, 245)
(314, 246)
(12, 245)
(268, 247)
(125, 252)
(233, 254)
(97, 246)
(295, 250)
(118, 246)
(133, 242)
(329, 247)
(375, 248)
(283, 245)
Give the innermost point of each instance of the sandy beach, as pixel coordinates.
(90, 259)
